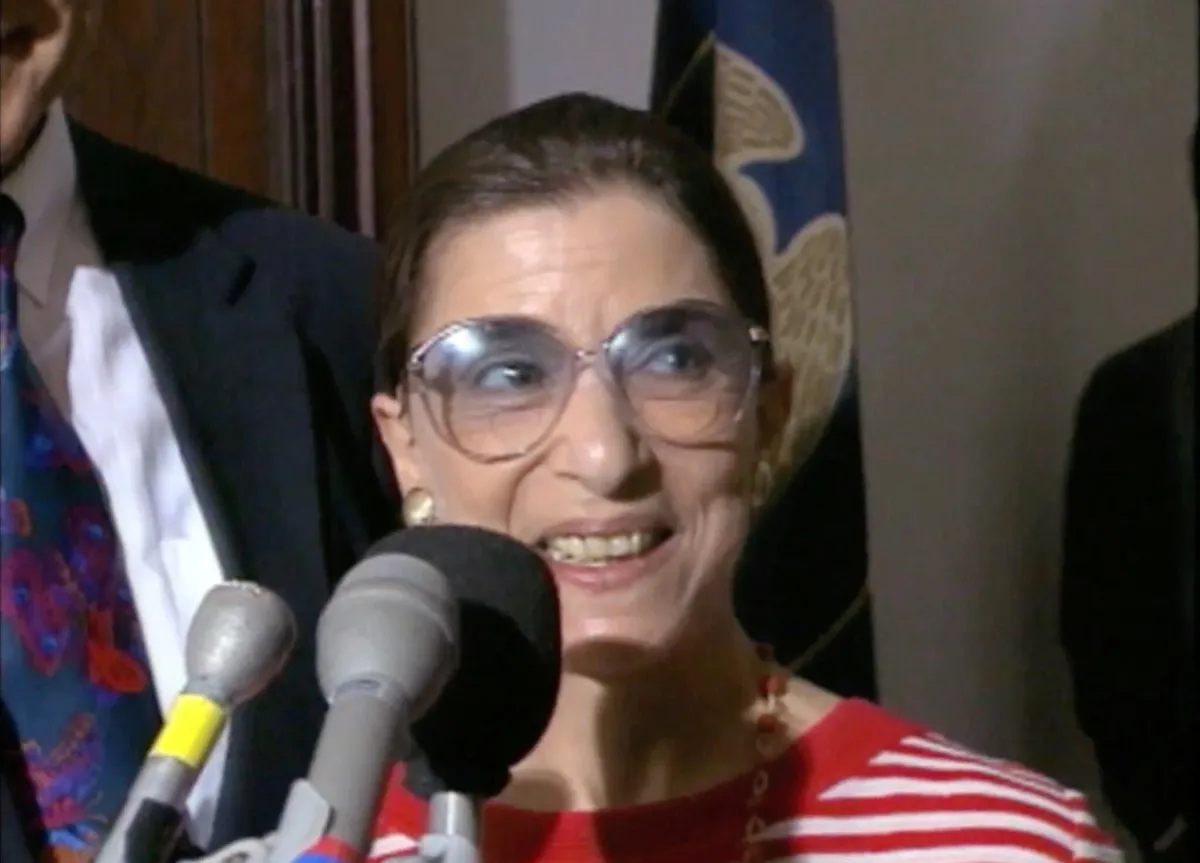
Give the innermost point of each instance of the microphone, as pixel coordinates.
(500, 700)
(238, 641)
(386, 645)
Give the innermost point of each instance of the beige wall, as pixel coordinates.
(1019, 208)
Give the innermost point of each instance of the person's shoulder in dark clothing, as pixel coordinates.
(172, 205)
(1127, 575)
(1145, 371)
(323, 274)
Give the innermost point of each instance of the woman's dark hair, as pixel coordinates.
(552, 152)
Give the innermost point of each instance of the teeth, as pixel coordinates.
(598, 550)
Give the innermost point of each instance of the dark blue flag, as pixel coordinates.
(755, 82)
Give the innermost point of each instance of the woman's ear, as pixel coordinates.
(395, 430)
(774, 410)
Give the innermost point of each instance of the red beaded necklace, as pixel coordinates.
(768, 727)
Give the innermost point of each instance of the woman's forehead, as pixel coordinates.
(583, 266)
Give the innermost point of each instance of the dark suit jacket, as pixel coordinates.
(1129, 578)
(257, 325)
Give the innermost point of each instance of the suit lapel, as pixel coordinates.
(231, 369)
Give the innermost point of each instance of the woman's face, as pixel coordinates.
(641, 534)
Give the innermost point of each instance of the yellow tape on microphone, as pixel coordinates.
(191, 730)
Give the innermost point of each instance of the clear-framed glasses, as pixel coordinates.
(496, 387)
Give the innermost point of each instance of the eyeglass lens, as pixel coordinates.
(496, 386)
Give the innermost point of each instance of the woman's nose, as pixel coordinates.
(596, 442)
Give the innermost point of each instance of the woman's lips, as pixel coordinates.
(615, 574)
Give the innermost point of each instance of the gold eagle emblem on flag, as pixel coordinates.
(755, 122)
(809, 282)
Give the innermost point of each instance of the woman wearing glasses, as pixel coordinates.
(574, 341)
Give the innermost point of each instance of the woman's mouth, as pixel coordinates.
(603, 550)
(599, 562)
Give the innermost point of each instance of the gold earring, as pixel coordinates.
(763, 477)
(418, 507)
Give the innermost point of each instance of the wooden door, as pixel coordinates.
(303, 101)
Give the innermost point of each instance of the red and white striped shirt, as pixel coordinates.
(861, 785)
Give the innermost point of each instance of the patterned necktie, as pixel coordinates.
(74, 679)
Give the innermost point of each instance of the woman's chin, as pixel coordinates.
(610, 657)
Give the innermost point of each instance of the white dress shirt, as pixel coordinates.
(76, 328)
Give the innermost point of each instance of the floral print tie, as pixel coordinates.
(74, 679)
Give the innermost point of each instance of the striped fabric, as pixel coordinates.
(861, 787)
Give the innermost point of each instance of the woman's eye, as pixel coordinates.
(509, 375)
(681, 358)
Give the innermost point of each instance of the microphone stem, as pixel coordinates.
(147, 831)
(454, 814)
(354, 775)
(452, 829)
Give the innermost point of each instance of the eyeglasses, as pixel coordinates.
(495, 387)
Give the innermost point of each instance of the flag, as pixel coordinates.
(756, 83)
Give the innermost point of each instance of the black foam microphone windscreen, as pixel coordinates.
(497, 704)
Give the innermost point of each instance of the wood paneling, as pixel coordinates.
(236, 92)
(392, 109)
(304, 101)
(142, 83)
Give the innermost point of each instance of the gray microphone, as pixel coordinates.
(387, 642)
(238, 641)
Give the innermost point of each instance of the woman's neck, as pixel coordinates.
(675, 729)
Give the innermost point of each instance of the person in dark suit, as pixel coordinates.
(1128, 584)
(1129, 580)
(186, 376)
(1128, 590)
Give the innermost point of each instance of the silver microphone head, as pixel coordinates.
(239, 640)
(390, 627)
